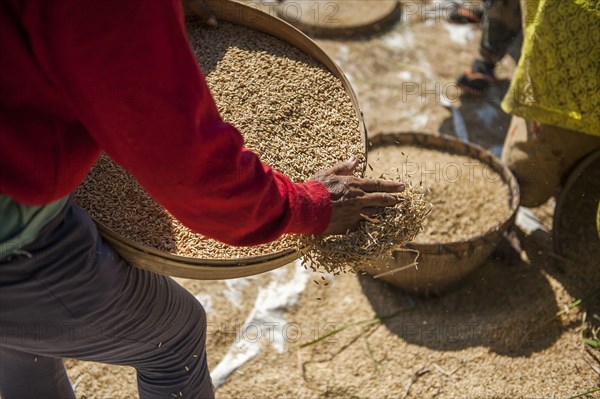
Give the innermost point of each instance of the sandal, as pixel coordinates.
(465, 14)
(477, 78)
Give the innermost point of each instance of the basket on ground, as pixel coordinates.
(442, 265)
(576, 226)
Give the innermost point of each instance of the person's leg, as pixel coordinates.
(539, 155)
(25, 376)
(500, 27)
(75, 297)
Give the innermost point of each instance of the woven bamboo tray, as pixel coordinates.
(341, 18)
(147, 258)
(442, 265)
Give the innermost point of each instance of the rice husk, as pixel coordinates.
(375, 239)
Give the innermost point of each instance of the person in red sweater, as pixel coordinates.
(81, 77)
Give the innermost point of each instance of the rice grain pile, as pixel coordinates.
(292, 111)
(468, 197)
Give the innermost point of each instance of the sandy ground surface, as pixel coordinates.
(509, 331)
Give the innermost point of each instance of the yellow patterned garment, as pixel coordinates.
(557, 81)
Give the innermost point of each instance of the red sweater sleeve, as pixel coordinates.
(128, 72)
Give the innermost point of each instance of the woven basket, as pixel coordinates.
(576, 225)
(144, 257)
(320, 18)
(443, 265)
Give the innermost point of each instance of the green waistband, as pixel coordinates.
(20, 224)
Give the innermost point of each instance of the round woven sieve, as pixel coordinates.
(148, 258)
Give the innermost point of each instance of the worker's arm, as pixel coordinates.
(127, 71)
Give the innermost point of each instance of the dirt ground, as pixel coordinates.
(511, 330)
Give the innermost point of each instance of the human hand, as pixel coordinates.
(201, 10)
(353, 198)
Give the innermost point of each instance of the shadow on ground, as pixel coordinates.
(485, 122)
(506, 307)
(579, 274)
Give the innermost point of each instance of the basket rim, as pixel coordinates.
(256, 19)
(561, 201)
(357, 29)
(146, 250)
(458, 147)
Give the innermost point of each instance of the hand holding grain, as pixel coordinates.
(354, 198)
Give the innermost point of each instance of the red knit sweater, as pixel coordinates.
(78, 77)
